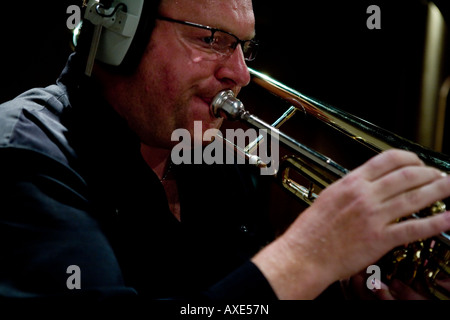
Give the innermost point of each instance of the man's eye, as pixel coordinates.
(208, 40)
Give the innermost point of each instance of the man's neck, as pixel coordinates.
(158, 161)
(156, 158)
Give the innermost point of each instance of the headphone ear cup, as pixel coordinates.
(119, 25)
(119, 32)
(117, 52)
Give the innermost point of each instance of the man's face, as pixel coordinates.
(175, 83)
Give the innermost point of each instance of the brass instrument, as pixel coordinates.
(423, 265)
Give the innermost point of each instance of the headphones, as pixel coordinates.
(120, 32)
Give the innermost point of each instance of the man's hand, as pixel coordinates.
(356, 288)
(353, 224)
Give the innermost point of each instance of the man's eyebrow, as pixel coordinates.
(227, 30)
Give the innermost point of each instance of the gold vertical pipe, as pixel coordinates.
(441, 115)
(431, 77)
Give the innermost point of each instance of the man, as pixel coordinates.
(93, 208)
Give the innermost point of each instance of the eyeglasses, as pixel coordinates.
(216, 41)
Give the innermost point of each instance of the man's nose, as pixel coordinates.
(234, 69)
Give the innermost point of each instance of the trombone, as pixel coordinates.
(426, 262)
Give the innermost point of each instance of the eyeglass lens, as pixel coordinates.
(213, 44)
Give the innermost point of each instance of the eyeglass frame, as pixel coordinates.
(213, 31)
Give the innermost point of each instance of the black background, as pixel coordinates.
(324, 49)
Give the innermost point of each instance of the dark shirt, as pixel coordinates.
(75, 191)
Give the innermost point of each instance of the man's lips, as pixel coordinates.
(207, 100)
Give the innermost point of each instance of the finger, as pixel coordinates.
(386, 162)
(414, 200)
(418, 228)
(405, 179)
(383, 293)
(401, 291)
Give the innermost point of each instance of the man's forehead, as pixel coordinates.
(222, 14)
(238, 7)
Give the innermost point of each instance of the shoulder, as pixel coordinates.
(32, 121)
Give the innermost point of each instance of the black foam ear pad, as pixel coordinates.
(142, 37)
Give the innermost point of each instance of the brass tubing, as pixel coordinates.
(366, 133)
